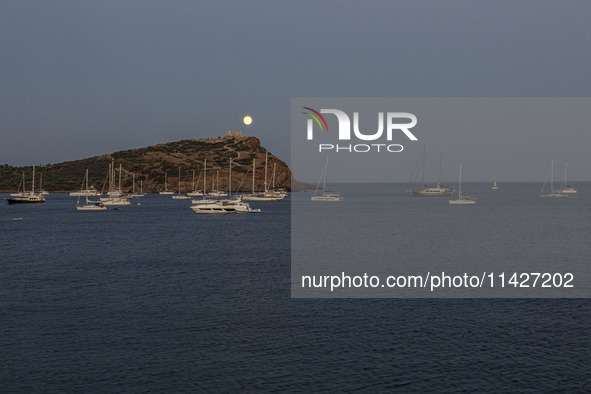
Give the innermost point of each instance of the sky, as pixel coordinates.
(84, 78)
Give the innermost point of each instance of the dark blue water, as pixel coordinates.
(154, 298)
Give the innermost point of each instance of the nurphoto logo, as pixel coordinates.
(394, 123)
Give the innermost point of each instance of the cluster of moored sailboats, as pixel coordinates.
(440, 190)
(215, 201)
(212, 201)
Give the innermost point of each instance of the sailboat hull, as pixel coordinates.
(85, 208)
(434, 192)
(25, 200)
(554, 195)
(462, 202)
(261, 198)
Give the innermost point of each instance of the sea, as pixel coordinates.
(155, 298)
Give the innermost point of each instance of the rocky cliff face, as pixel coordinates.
(151, 163)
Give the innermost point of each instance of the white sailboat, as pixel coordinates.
(437, 190)
(115, 197)
(44, 192)
(22, 186)
(194, 192)
(495, 186)
(133, 193)
(553, 193)
(112, 191)
(90, 205)
(180, 196)
(204, 193)
(27, 198)
(166, 191)
(462, 200)
(567, 189)
(326, 195)
(266, 195)
(215, 192)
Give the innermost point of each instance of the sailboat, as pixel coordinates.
(41, 190)
(194, 192)
(180, 196)
(166, 191)
(266, 195)
(112, 177)
(27, 198)
(115, 197)
(567, 189)
(204, 193)
(437, 190)
(553, 193)
(133, 193)
(494, 186)
(223, 206)
(215, 192)
(462, 200)
(22, 185)
(90, 205)
(326, 195)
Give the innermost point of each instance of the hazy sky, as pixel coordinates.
(83, 78)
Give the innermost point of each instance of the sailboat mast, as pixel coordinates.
(325, 172)
(552, 175)
(204, 177)
(133, 183)
(86, 191)
(440, 164)
(253, 166)
(424, 163)
(33, 183)
(179, 180)
(193, 183)
(460, 184)
(119, 176)
(266, 165)
(230, 179)
(565, 173)
(274, 168)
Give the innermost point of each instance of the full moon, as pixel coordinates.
(247, 120)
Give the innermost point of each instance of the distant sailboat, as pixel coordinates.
(112, 191)
(266, 195)
(133, 193)
(194, 192)
(22, 186)
(326, 195)
(90, 205)
(204, 193)
(437, 190)
(181, 196)
(166, 191)
(462, 200)
(553, 193)
(27, 198)
(494, 186)
(567, 189)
